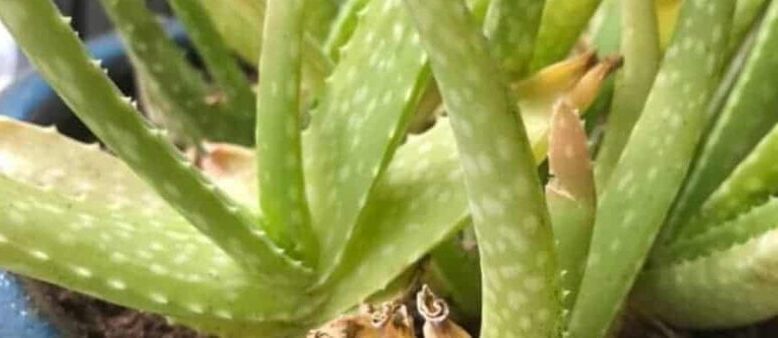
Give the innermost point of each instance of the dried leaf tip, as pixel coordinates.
(436, 312)
(568, 156)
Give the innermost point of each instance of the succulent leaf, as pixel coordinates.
(570, 195)
(520, 276)
(280, 169)
(454, 271)
(222, 66)
(745, 119)
(561, 25)
(640, 49)
(511, 27)
(178, 89)
(726, 288)
(359, 121)
(651, 168)
(747, 14)
(73, 222)
(418, 202)
(97, 102)
(343, 27)
(721, 237)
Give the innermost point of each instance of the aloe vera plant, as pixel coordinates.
(317, 202)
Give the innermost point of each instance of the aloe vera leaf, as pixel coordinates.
(561, 25)
(746, 117)
(343, 27)
(233, 169)
(359, 121)
(511, 27)
(240, 23)
(39, 30)
(165, 266)
(746, 226)
(319, 17)
(518, 261)
(652, 167)
(751, 183)
(733, 287)
(747, 13)
(570, 196)
(279, 159)
(222, 66)
(417, 203)
(173, 80)
(640, 49)
(455, 272)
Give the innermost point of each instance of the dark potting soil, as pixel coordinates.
(80, 316)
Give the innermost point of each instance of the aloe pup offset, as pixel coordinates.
(303, 201)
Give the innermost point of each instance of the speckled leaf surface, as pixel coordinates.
(747, 116)
(343, 27)
(561, 25)
(97, 102)
(279, 159)
(359, 121)
(570, 196)
(511, 27)
(520, 276)
(643, 185)
(720, 237)
(178, 88)
(731, 287)
(640, 48)
(418, 202)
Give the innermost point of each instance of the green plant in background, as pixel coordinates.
(327, 189)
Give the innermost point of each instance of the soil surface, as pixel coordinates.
(87, 317)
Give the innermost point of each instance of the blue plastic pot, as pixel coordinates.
(31, 99)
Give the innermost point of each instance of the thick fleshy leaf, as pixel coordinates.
(518, 262)
(640, 49)
(280, 169)
(562, 23)
(59, 56)
(747, 116)
(652, 167)
(721, 237)
(73, 213)
(570, 195)
(731, 287)
(178, 90)
(418, 202)
(359, 121)
(221, 65)
(511, 27)
(343, 27)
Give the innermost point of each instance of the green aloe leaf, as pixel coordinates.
(176, 86)
(745, 119)
(278, 129)
(455, 272)
(73, 222)
(520, 276)
(570, 195)
(726, 288)
(561, 25)
(721, 237)
(359, 121)
(418, 202)
(343, 27)
(511, 27)
(240, 23)
(651, 169)
(747, 14)
(640, 49)
(58, 55)
(222, 66)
